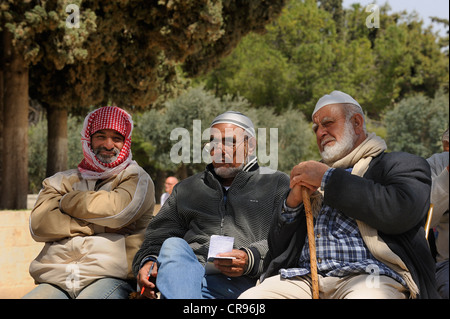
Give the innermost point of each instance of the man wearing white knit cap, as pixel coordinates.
(369, 208)
(332, 147)
(230, 198)
(226, 129)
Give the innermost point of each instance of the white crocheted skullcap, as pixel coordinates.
(335, 97)
(235, 118)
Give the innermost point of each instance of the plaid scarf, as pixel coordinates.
(108, 117)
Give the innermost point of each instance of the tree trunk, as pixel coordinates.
(159, 184)
(182, 171)
(57, 147)
(15, 128)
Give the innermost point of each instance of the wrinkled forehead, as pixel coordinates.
(330, 112)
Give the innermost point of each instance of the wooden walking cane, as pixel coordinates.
(312, 243)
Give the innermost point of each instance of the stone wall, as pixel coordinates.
(17, 250)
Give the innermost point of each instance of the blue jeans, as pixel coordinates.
(105, 288)
(181, 276)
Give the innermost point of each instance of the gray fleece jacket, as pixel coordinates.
(199, 207)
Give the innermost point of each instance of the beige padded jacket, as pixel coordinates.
(91, 228)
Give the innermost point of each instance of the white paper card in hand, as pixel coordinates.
(220, 244)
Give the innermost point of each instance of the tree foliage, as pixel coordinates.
(416, 124)
(124, 52)
(152, 143)
(30, 32)
(138, 54)
(132, 48)
(317, 47)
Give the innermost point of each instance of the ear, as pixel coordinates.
(445, 146)
(357, 121)
(251, 145)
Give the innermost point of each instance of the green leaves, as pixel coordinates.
(153, 129)
(416, 124)
(311, 50)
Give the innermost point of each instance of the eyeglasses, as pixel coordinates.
(227, 144)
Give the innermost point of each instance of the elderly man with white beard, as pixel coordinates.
(369, 208)
(233, 197)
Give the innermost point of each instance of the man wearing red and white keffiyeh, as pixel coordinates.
(92, 218)
(105, 120)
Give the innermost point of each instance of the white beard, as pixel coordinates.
(228, 172)
(331, 154)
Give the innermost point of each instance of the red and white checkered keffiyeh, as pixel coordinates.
(107, 117)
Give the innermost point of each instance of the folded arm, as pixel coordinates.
(114, 209)
(48, 222)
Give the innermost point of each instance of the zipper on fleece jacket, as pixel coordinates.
(222, 203)
(221, 225)
(222, 209)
